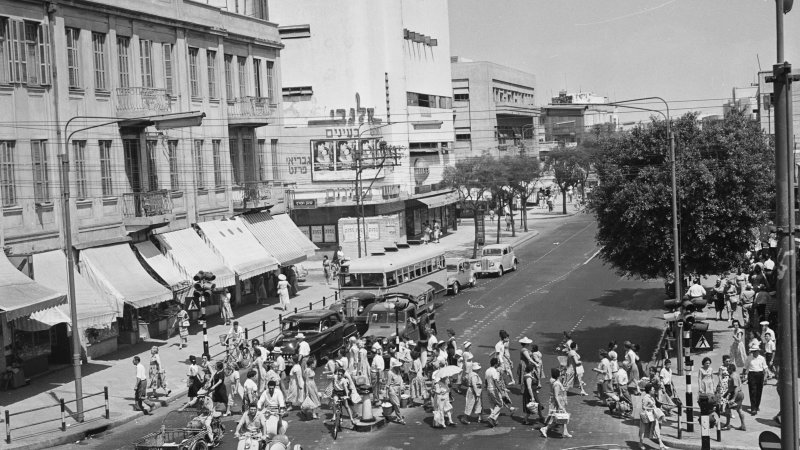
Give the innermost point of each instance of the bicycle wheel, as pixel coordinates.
(337, 423)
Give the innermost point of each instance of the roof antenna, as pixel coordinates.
(759, 62)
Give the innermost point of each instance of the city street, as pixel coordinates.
(559, 286)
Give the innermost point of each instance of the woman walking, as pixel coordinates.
(525, 357)
(734, 397)
(295, 393)
(575, 370)
(504, 357)
(182, 322)
(158, 376)
(558, 403)
(219, 393)
(649, 418)
(473, 404)
(233, 386)
(225, 310)
(738, 352)
(442, 408)
(194, 377)
(311, 403)
(631, 367)
(394, 386)
(283, 291)
(530, 404)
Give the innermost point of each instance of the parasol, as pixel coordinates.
(447, 371)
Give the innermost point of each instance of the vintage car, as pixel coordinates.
(398, 313)
(353, 307)
(460, 273)
(496, 259)
(325, 330)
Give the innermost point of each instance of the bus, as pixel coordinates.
(410, 270)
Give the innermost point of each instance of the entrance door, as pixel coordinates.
(133, 167)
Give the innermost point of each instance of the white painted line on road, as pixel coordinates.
(591, 257)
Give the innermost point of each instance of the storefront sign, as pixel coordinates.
(305, 204)
(305, 231)
(349, 233)
(373, 231)
(316, 233)
(329, 233)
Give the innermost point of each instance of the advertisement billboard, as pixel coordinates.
(335, 159)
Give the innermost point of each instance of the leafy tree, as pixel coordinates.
(725, 177)
(523, 171)
(566, 167)
(471, 177)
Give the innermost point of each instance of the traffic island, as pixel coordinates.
(376, 422)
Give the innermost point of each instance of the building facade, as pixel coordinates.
(359, 73)
(766, 110)
(570, 116)
(495, 109)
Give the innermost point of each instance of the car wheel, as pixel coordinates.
(472, 282)
(500, 272)
(514, 266)
(455, 288)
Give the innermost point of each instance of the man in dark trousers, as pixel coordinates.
(140, 388)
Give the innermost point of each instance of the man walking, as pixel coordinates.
(140, 388)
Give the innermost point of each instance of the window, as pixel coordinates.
(99, 50)
(445, 103)
(261, 9)
(79, 155)
(461, 97)
(41, 179)
(229, 77)
(105, 168)
(198, 163)
(194, 82)
(234, 151)
(215, 147)
(167, 50)
(174, 181)
(123, 59)
(5, 63)
(429, 101)
(249, 159)
(73, 57)
(270, 81)
(257, 76)
(211, 61)
(261, 145)
(152, 166)
(146, 62)
(8, 188)
(242, 61)
(274, 151)
(130, 148)
(24, 52)
(463, 137)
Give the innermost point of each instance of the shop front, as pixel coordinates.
(432, 210)
(157, 322)
(28, 312)
(115, 271)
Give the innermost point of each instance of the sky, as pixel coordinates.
(690, 52)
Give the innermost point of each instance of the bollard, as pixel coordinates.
(108, 409)
(336, 297)
(705, 439)
(263, 327)
(63, 415)
(295, 310)
(323, 301)
(280, 318)
(689, 400)
(680, 425)
(719, 430)
(309, 306)
(205, 327)
(245, 334)
(8, 427)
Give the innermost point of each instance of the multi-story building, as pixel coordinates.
(358, 72)
(766, 110)
(570, 116)
(744, 99)
(114, 92)
(494, 109)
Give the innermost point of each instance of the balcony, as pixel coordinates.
(140, 101)
(250, 111)
(425, 188)
(146, 209)
(256, 195)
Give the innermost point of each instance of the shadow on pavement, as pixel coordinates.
(44, 383)
(632, 299)
(591, 340)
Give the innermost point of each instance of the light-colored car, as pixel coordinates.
(497, 259)
(460, 273)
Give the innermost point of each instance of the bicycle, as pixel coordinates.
(337, 416)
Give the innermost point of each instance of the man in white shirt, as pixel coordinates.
(140, 388)
(621, 380)
(666, 378)
(272, 400)
(755, 368)
(770, 343)
(696, 290)
(769, 264)
(250, 394)
(303, 350)
(377, 368)
(432, 341)
(236, 333)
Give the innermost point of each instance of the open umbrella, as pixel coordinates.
(447, 371)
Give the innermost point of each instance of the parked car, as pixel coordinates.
(325, 330)
(497, 259)
(460, 273)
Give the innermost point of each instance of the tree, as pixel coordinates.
(566, 168)
(523, 172)
(471, 177)
(725, 177)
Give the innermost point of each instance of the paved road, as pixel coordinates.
(558, 286)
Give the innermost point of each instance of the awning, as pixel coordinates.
(20, 296)
(187, 251)
(94, 311)
(280, 236)
(436, 201)
(115, 271)
(238, 247)
(162, 266)
(42, 320)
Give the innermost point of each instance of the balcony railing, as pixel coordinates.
(425, 188)
(146, 204)
(247, 107)
(138, 100)
(255, 194)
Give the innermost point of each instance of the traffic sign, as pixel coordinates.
(192, 306)
(769, 440)
(702, 344)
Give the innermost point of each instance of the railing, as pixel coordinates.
(62, 404)
(146, 204)
(250, 107)
(256, 193)
(142, 99)
(425, 188)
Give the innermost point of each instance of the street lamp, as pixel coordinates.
(360, 186)
(161, 122)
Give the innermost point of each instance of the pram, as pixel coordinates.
(619, 403)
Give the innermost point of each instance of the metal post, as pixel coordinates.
(108, 408)
(719, 430)
(246, 336)
(323, 301)
(705, 439)
(676, 252)
(63, 415)
(358, 195)
(679, 341)
(295, 310)
(263, 326)
(689, 397)
(680, 425)
(205, 326)
(8, 427)
(336, 296)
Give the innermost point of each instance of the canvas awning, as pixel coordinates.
(189, 254)
(162, 266)
(42, 320)
(280, 236)
(436, 201)
(238, 247)
(94, 311)
(20, 296)
(115, 271)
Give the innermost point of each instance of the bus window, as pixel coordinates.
(424, 268)
(418, 269)
(430, 265)
(372, 279)
(411, 273)
(391, 280)
(350, 280)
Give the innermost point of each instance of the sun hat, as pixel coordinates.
(377, 346)
(467, 344)
(202, 392)
(459, 352)
(754, 347)
(476, 366)
(282, 277)
(300, 336)
(277, 350)
(764, 323)
(525, 340)
(395, 363)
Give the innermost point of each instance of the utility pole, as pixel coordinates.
(787, 264)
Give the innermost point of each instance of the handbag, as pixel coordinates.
(185, 324)
(561, 417)
(354, 397)
(646, 416)
(532, 406)
(659, 414)
(361, 380)
(307, 404)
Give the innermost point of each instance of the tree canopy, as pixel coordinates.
(725, 177)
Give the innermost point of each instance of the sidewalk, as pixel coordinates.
(733, 439)
(116, 370)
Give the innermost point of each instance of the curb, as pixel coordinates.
(691, 445)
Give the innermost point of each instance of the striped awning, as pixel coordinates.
(237, 246)
(280, 236)
(189, 254)
(20, 296)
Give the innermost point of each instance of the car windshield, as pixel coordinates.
(492, 251)
(305, 327)
(386, 317)
(452, 267)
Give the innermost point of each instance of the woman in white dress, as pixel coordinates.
(283, 291)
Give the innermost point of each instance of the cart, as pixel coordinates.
(179, 430)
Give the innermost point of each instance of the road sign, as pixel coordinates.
(702, 344)
(192, 306)
(769, 440)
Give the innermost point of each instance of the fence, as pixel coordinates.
(62, 404)
(680, 422)
(263, 332)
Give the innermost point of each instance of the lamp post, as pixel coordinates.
(360, 186)
(165, 121)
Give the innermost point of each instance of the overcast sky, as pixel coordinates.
(693, 51)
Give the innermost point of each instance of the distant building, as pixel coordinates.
(571, 116)
(744, 99)
(495, 110)
(766, 110)
(356, 73)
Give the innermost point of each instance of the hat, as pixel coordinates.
(377, 346)
(300, 336)
(476, 366)
(202, 392)
(459, 352)
(754, 347)
(353, 339)
(764, 323)
(612, 354)
(277, 350)
(525, 340)
(282, 277)
(395, 363)
(467, 344)
(749, 286)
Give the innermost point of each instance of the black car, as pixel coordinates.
(325, 331)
